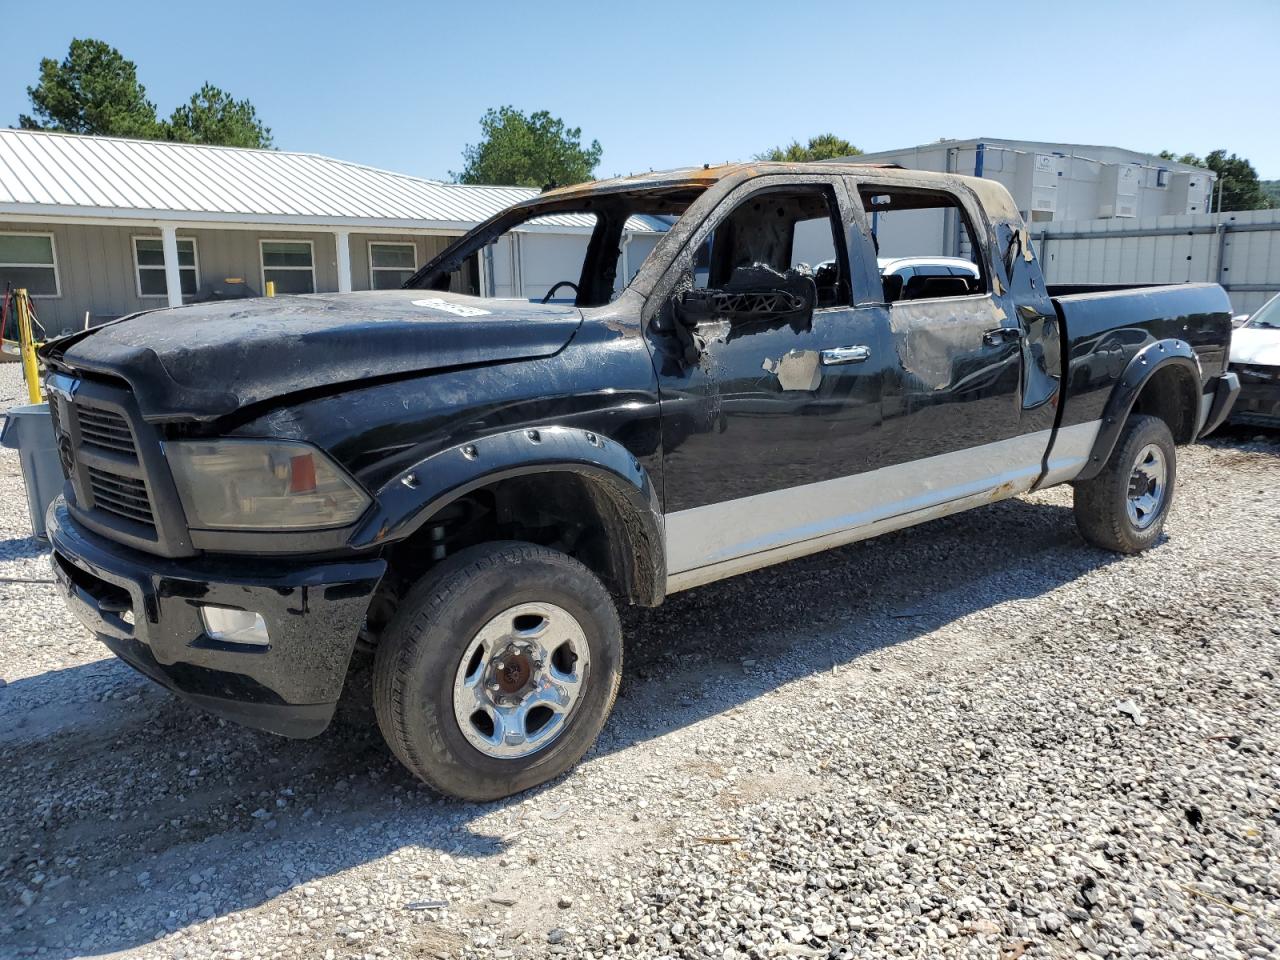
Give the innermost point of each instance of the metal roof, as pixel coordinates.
(67, 175)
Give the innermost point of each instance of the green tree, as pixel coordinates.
(93, 90)
(213, 116)
(1237, 179)
(1272, 189)
(536, 150)
(825, 146)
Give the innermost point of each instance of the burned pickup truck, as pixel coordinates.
(467, 486)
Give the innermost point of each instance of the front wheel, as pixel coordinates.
(498, 670)
(1124, 507)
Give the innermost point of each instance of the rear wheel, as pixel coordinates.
(1124, 507)
(499, 670)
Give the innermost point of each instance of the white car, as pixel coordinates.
(1255, 359)
(910, 278)
(908, 267)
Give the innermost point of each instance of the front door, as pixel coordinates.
(770, 376)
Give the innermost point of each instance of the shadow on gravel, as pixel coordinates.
(1264, 440)
(20, 548)
(148, 816)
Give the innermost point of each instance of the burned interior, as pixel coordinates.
(788, 234)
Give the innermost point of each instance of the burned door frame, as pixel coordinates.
(758, 415)
(960, 359)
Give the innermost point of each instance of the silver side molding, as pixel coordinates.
(719, 540)
(1070, 452)
(1202, 415)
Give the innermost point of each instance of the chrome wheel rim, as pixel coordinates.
(1148, 484)
(519, 680)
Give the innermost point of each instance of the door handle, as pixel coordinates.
(1002, 335)
(838, 355)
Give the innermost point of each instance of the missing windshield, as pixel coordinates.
(583, 251)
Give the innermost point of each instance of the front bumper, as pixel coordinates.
(146, 610)
(1259, 400)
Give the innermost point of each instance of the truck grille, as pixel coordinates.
(98, 450)
(106, 430)
(64, 449)
(124, 496)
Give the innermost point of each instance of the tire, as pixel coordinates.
(1103, 503)
(484, 604)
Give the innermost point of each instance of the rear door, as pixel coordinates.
(957, 404)
(958, 351)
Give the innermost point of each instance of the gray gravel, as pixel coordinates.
(976, 738)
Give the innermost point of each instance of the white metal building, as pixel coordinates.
(1050, 182)
(1238, 249)
(97, 227)
(1064, 181)
(1102, 215)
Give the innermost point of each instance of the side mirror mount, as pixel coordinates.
(754, 292)
(698, 305)
(1239, 320)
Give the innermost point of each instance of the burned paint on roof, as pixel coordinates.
(710, 174)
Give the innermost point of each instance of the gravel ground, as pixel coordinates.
(975, 738)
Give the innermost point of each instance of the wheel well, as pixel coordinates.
(1171, 395)
(579, 515)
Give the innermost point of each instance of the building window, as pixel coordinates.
(148, 262)
(288, 264)
(391, 264)
(29, 260)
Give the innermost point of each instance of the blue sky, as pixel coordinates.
(402, 85)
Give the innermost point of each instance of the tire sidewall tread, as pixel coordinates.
(1100, 502)
(418, 657)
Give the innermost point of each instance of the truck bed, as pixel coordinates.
(1105, 325)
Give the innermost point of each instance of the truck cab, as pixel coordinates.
(467, 486)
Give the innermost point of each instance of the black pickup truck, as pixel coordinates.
(467, 486)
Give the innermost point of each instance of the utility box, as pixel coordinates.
(1188, 193)
(29, 430)
(1118, 190)
(1037, 177)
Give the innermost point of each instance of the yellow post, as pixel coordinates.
(271, 288)
(27, 344)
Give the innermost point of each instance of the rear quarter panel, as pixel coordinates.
(1102, 331)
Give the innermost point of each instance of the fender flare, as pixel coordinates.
(408, 501)
(1145, 364)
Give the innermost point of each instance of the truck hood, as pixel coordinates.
(1256, 346)
(206, 360)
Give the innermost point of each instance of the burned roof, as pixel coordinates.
(709, 174)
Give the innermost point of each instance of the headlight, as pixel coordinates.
(262, 485)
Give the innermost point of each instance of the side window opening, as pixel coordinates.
(793, 233)
(925, 244)
(582, 250)
(531, 261)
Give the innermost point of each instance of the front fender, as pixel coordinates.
(1144, 365)
(413, 496)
